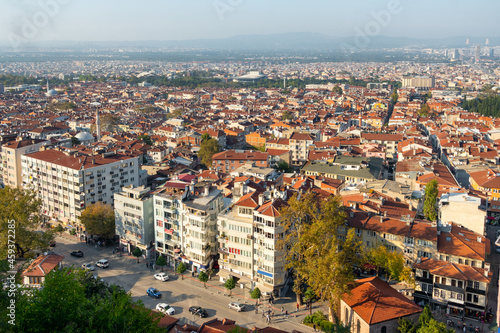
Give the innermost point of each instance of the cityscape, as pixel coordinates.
(249, 167)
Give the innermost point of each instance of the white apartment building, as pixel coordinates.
(11, 159)
(68, 182)
(134, 218)
(248, 241)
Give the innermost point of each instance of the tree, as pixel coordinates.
(20, 210)
(256, 294)
(181, 268)
(309, 297)
(283, 167)
(137, 253)
(424, 110)
(109, 122)
(394, 97)
(99, 219)
(337, 89)
(405, 325)
(238, 329)
(286, 115)
(161, 261)
(74, 141)
(230, 285)
(146, 138)
(431, 193)
(209, 146)
(72, 300)
(425, 317)
(203, 277)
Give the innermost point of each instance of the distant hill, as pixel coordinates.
(276, 42)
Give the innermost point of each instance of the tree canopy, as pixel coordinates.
(209, 146)
(23, 208)
(486, 105)
(99, 219)
(161, 261)
(431, 193)
(230, 284)
(72, 300)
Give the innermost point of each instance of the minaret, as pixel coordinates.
(98, 125)
(48, 85)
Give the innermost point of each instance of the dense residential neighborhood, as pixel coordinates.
(205, 179)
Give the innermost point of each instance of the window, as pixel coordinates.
(443, 280)
(460, 284)
(453, 283)
(383, 330)
(460, 297)
(346, 321)
(358, 326)
(476, 299)
(476, 285)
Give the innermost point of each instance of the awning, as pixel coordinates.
(490, 217)
(265, 273)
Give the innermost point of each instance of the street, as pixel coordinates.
(180, 293)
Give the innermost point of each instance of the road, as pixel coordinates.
(177, 292)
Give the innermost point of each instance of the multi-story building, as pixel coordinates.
(390, 142)
(248, 236)
(134, 218)
(230, 160)
(46, 132)
(68, 182)
(488, 181)
(459, 289)
(420, 82)
(11, 158)
(200, 226)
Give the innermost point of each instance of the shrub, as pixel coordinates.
(72, 232)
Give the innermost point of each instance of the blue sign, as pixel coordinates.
(265, 273)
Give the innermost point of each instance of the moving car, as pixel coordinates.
(153, 292)
(165, 308)
(199, 311)
(103, 263)
(78, 254)
(88, 266)
(237, 306)
(161, 276)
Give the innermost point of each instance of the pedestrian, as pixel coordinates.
(314, 327)
(147, 266)
(272, 315)
(268, 319)
(263, 314)
(286, 314)
(464, 329)
(282, 311)
(297, 307)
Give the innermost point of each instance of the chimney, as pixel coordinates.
(381, 219)
(206, 190)
(385, 213)
(351, 214)
(191, 187)
(261, 199)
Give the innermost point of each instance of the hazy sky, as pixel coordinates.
(92, 20)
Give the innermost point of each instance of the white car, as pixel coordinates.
(103, 263)
(237, 306)
(165, 308)
(161, 276)
(88, 266)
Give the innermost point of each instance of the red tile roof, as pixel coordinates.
(42, 265)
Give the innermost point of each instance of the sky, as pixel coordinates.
(134, 20)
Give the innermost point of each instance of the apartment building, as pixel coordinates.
(230, 160)
(68, 182)
(134, 218)
(389, 141)
(460, 290)
(248, 241)
(11, 158)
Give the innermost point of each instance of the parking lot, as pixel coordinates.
(177, 292)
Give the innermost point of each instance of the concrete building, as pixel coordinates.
(134, 219)
(34, 275)
(11, 158)
(420, 82)
(68, 182)
(462, 209)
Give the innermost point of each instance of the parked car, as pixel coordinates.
(88, 266)
(53, 244)
(78, 254)
(153, 292)
(165, 308)
(103, 263)
(198, 311)
(237, 306)
(161, 276)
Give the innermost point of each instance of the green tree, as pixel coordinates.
(208, 148)
(425, 317)
(20, 211)
(238, 329)
(286, 115)
(282, 166)
(309, 297)
(203, 277)
(99, 219)
(431, 193)
(337, 89)
(137, 253)
(256, 294)
(394, 97)
(405, 325)
(161, 261)
(181, 269)
(435, 327)
(230, 285)
(424, 110)
(146, 138)
(74, 141)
